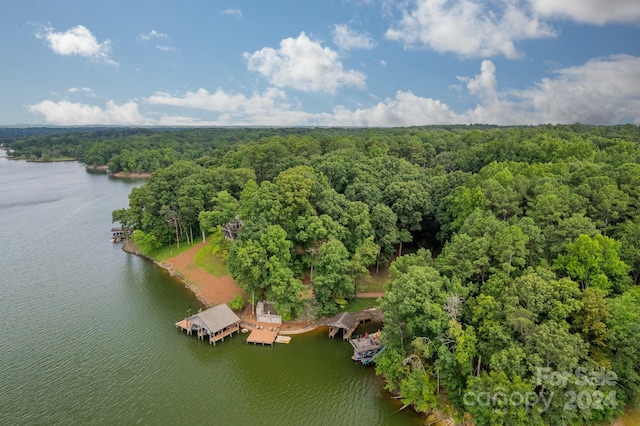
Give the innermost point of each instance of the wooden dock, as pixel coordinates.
(185, 325)
(263, 334)
(213, 338)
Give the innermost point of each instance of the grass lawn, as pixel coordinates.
(209, 260)
(360, 304)
(168, 252)
(376, 284)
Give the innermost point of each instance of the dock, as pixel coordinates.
(263, 334)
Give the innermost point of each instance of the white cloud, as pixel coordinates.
(601, 91)
(232, 12)
(269, 108)
(469, 28)
(220, 101)
(483, 85)
(77, 114)
(590, 11)
(305, 65)
(156, 35)
(85, 90)
(165, 48)
(77, 41)
(151, 35)
(406, 109)
(346, 38)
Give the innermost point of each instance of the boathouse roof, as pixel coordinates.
(215, 318)
(344, 320)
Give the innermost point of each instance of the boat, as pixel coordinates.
(366, 348)
(283, 339)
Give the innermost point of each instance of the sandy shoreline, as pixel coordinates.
(209, 289)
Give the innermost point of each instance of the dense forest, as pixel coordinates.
(513, 253)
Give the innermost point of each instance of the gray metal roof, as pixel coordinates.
(344, 320)
(215, 318)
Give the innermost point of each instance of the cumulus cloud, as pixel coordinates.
(78, 114)
(471, 28)
(303, 64)
(597, 12)
(268, 108)
(406, 109)
(347, 38)
(600, 91)
(220, 101)
(232, 12)
(77, 41)
(483, 85)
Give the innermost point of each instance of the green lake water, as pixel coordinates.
(88, 332)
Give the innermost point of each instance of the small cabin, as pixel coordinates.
(266, 312)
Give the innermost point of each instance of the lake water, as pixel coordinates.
(88, 331)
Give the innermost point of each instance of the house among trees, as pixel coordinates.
(231, 229)
(216, 323)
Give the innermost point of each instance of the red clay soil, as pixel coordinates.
(209, 288)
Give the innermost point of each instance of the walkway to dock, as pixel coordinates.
(221, 335)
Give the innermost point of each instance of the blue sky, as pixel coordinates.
(319, 63)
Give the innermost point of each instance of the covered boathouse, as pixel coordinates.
(348, 322)
(344, 321)
(215, 323)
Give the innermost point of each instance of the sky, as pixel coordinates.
(362, 63)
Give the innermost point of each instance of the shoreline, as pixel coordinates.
(131, 248)
(292, 327)
(119, 175)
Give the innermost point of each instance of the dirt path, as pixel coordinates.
(212, 290)
(370, 295)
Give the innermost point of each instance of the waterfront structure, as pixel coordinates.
(215, 323)
(366, 348)
(348, 322)
(117, 235)
(266, 313)
(262, 335)
(344, 321)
